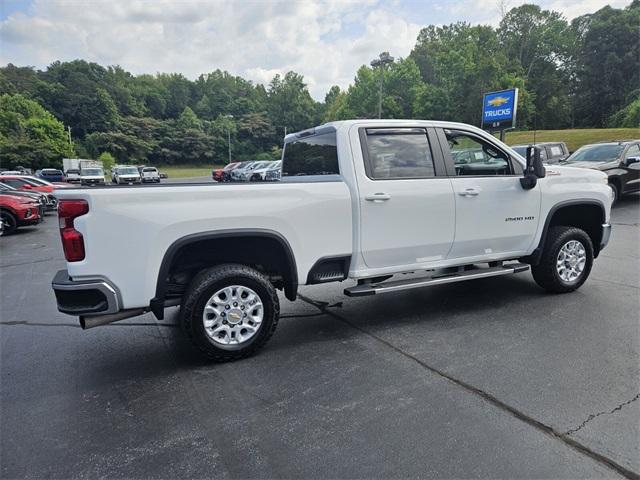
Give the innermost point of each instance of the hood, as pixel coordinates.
(573, 173)
(603, 165)
(31, 194)
(24, 200)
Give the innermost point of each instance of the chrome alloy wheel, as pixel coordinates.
(571, 261)
(233, 315)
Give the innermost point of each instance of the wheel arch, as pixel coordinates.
(282, 258)
(8, 209)
(587, 214)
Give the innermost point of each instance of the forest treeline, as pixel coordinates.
(583, 73)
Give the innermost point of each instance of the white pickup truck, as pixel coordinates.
(359, 200)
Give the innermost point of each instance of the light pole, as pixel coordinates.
(383, 59)
(229, 136)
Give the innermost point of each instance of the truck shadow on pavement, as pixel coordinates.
(435, 309)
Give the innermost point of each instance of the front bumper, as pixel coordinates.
(85, 297)
(606, 235)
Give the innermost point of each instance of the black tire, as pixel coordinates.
(616, 193)
(546, 272)
(200, 290)
(9, 222)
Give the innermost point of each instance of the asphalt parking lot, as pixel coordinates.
(485, 379)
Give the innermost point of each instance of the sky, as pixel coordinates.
(324, 40)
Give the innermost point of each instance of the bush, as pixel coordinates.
(628, 117)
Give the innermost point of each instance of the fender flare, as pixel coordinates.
(534, 257)
(157, 304)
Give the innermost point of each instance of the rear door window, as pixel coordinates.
(314, 155)
(401, 153)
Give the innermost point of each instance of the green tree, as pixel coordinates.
(107, 160)
(628, 117)
(30, 135)
(541, 42)
(458, 63)
(607, 63)
(290, 104)
(188, 119)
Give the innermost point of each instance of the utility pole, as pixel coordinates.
(69, 133)
(229, 136)
(381, 62)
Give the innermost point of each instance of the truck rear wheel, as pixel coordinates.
(566, 260)
(230, 311)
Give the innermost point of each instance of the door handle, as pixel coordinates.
(469, 192)
(378, 197)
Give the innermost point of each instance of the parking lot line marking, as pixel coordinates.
(537, 424)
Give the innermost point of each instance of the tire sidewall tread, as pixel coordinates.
(8, 230)
(203, 285)
(545, 273)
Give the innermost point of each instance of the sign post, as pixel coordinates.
(499, 111)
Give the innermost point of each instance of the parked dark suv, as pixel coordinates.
(551, 152)
(619, 160)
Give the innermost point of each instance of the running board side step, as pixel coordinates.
(365, 289)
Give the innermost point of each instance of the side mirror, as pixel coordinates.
(630, 160)
(534, 169)
(26, 186)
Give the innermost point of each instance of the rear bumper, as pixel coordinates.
(606, 235)
(85, 297)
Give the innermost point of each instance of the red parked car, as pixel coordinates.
(16, 211)
(26, 183)
(223, 174)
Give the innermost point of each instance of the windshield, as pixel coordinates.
(275, 165)
(51, 172)
(128, 171)
(92, 171)
(605, 152)
(149, 169)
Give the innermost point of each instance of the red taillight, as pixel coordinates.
(72, 241)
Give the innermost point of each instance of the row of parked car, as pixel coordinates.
(619, 159)
(24, 200)
(249, 171)
(128, 174)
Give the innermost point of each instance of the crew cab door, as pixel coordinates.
(407, 211)
(495, 216)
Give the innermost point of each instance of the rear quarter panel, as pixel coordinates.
(128, 230)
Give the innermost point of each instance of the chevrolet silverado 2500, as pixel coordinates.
(361, 200)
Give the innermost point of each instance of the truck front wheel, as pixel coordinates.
(229, 311)
(566, 260)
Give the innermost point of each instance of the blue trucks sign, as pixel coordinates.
(499, 109)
